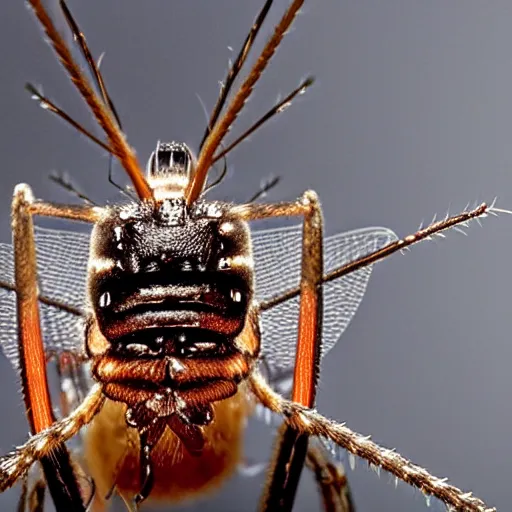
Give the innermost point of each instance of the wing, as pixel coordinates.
(277, 258)
(62, 268)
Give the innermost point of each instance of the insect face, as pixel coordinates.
(169, 169)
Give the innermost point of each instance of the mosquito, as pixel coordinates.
(173, 318)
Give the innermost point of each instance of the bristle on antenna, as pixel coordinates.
(221, 127)
(101, 112)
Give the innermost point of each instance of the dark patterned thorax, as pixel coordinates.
(164, 265)
(171, 326)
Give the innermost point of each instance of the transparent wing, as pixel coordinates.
(277, 258)
(62, 268)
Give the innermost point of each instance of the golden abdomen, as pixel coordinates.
(112, 453)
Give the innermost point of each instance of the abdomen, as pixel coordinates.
(112, 454)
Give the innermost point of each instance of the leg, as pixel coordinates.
(309, 422)
(32, 496)
(292, 447)
(36, 497)
(331, 480)
(16, 464)
(22, 501)
(330, 477)
(57, 467)
(73, 382)
(354, 443)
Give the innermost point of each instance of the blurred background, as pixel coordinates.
(411, 115)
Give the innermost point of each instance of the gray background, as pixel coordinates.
(411, 114)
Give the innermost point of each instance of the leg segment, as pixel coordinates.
(57, 467)
(309, 422)
(22, 501)
(425, 233)
(36, 497)
(292, 446)
(331, 480)
(16, 464)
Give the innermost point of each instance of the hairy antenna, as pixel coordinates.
(79, 37)
(122, 149)
(47, 104)
(431, 230)
(220, 129)
(234, 70)
(279, 108)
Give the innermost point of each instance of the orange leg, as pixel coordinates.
(57, 466)
(292, 447)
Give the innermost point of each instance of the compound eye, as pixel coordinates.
(169, 158)
(179, 158)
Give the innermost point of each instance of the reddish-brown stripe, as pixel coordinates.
(209, 393)
(36, 386)
(116, 369)
(304, 374)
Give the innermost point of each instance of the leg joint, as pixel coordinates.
(22, 199)
(310, 201)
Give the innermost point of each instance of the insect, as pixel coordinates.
(172, 320)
